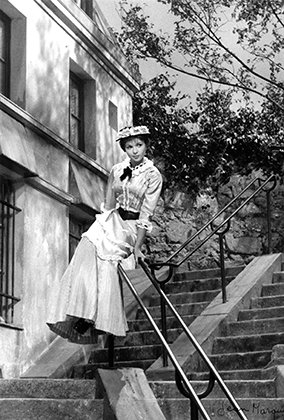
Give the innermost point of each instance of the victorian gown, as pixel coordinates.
(90, 288)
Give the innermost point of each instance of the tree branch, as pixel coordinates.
(209, 79)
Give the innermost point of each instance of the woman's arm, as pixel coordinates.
(141, 234)
(147, 210)
(150, 200)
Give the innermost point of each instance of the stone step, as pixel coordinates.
(238, 361)
(266, 302)
(239, 388)
(261, 313)
(145, 338)
(186, 298)
(144, 324)
(198, 285)
(89, 371)
(253, 326)
(221, 408)
(274, 289)
(226, 375)
(207, 273)
(50, 409)
(48, 388)
(127, 353)
(278, 277)
(185, 309)
(246, 343)
(50, 399)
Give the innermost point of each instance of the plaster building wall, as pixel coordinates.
(52, 178)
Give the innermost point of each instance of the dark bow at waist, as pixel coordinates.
(128, 215)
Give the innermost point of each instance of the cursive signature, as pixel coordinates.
(256, 408)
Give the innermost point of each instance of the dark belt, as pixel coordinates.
(128, 215)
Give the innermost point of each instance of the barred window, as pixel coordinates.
(8, 210)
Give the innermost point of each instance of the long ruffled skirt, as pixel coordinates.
(90, 288)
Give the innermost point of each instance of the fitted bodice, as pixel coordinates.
(140, 193)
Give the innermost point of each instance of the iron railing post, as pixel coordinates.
(110, 351)
(222, 266)
(164, 325)
(193, 411)
(269, 233)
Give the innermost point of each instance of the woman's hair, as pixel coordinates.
(123, 141)
(128, 133)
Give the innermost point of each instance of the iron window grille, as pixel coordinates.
(8, 211)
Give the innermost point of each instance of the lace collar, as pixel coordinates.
(136, 170)
(128, 171)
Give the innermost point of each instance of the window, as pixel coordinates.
(112, 115)
(76, 112)
(8, 211)
(12, 53)
(82, 110)
(5, 36)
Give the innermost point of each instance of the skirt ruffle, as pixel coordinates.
(66, 330)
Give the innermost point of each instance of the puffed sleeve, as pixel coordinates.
(151, 198)
(110, 200)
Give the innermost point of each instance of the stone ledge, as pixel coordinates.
(128, 395)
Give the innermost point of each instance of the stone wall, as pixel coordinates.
(179, 216)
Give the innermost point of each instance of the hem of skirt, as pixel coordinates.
(90, 337)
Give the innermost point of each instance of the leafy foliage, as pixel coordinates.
(236, 43)
(204, 146)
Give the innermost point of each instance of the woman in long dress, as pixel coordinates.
(90, 301)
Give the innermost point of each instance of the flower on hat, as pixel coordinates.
(132, 132)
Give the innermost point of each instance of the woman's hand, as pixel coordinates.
(138, 254)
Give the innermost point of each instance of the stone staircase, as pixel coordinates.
(74, 398)
(190, 292)
(50, 399)
(240, 353)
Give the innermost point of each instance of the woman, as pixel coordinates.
(90, 300)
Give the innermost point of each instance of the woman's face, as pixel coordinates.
(135, 149)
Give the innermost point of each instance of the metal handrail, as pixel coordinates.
(217, 230)
(182, 381)
(160, 264)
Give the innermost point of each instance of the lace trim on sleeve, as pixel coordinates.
(144, 224)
